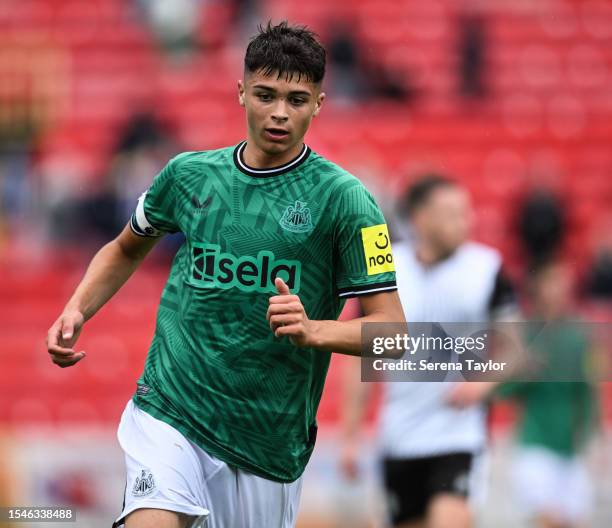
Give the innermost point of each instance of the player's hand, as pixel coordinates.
(467, 393)
(287, 317)
(62, 337)
(349, 460)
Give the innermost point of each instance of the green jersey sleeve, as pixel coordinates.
(155, 212)
(365, 260)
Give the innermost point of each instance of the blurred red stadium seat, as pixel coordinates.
(550, 70)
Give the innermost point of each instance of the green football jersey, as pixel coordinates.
(215, 371)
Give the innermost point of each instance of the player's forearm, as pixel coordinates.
(344, 337)
(107, 272)
(354, 394)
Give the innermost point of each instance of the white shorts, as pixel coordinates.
(547, 483)
(167, 471)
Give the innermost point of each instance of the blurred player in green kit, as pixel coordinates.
(559, 416)
(223, 420)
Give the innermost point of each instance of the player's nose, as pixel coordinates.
(279, 112)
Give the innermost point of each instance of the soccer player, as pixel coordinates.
(431, 433)
(223, 420)
(557, 419)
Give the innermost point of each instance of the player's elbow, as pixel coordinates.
(131, 246)
(394, 314)
(397, 314)
(393, 311)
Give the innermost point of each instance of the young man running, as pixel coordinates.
(223, 420)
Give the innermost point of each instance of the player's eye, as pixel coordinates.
(297, 101)
(264, 97)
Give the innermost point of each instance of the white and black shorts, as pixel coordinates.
(411, 483)
(166, 471)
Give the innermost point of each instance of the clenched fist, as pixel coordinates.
(287, 317)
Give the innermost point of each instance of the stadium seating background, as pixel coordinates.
(547, 117)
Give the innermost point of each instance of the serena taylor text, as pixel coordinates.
(422, 365)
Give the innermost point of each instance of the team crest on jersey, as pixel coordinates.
(144, 484)
(297, 218)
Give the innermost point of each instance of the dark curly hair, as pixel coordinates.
(286, 51)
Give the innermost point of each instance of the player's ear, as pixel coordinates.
(318, 104)
(241, 92)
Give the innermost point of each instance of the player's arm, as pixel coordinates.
(345, 336)
(107, 272)
(287, 317)
(354, 395)
(503, 310)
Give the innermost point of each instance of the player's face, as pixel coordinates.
(447, 218)
(278, 111)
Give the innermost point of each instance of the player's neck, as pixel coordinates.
(551, 313)
(428, 255)
(258, 159)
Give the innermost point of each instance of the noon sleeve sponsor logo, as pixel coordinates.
(377, 249)
(212, 268)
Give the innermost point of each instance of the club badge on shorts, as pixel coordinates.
(144, 484)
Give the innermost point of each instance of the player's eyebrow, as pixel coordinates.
(292, 92)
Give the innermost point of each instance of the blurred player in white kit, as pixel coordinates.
(432, 433)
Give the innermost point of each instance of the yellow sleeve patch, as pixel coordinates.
(377, 249)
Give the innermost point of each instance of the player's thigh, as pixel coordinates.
(446, 510)
(545, 521)
(448, 487)
(155, 518)
(163, 472)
